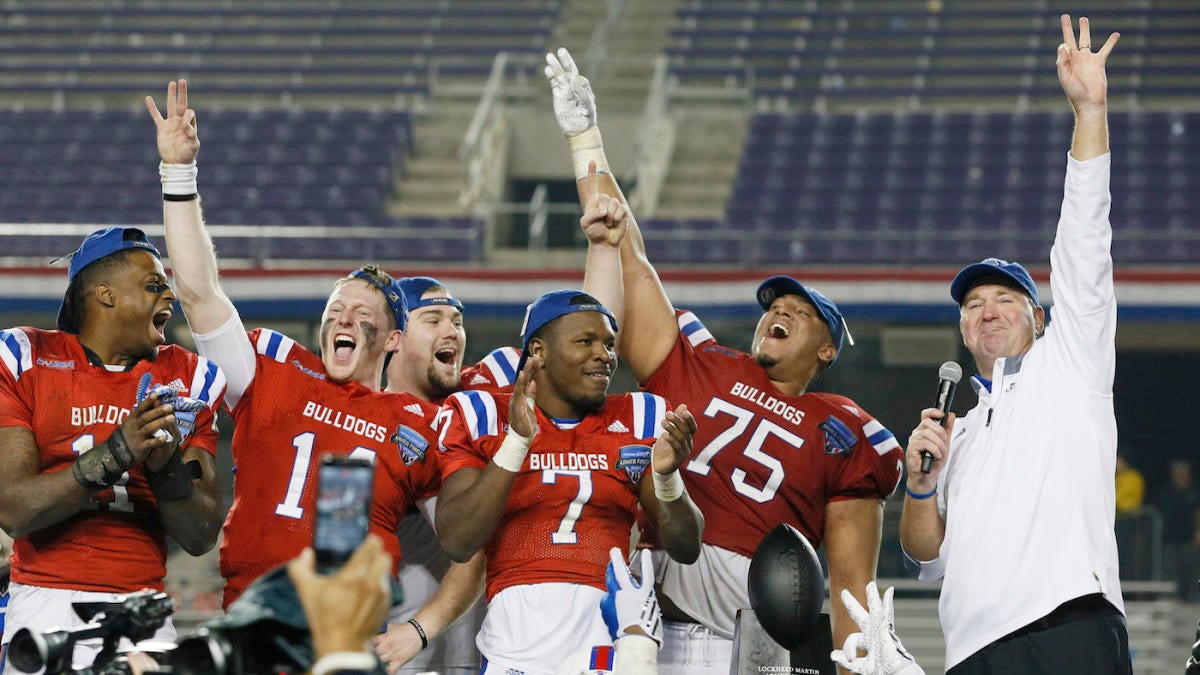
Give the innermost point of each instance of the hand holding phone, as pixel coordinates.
(343, 509)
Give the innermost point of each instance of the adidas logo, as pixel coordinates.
(617, 428)
(177, 385)
(479, 379)
(415, 408)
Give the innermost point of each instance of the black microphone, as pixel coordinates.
(948, 376)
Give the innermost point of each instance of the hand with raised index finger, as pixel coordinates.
(606, 220)
(178, 141)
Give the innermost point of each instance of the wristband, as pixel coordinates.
(104, 464)
(420, 632)
(511, 455)
(178, 181)
(918, 495)
(355, 662)
(174, 480)
(667, 488)
(587, 146)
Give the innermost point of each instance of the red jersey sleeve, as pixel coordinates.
(873, 459)
(466, 417)
(16, 355)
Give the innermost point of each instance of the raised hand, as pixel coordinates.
(674, 444)
(885, 654)
(631, 607)
(178, 142)
(606, 220)
(574, 102)
(1080, 70)
(522, 412)
(344, 610)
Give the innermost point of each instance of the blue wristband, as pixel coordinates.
(918, 495)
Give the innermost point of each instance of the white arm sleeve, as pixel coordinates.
(230, 348)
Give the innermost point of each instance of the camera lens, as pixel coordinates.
(29, 652)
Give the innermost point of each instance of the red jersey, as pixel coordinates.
(495, 373)
(117, 543)
(288, 418)
(761, 457)
(577, 494)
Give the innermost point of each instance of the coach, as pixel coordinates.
(1017, 512)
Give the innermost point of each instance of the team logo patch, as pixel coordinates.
(839, 440)
(412, 445)
(633, 460)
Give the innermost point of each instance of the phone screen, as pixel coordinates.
(343, 510)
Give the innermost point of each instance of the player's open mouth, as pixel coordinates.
(603, 375)
(343, 346)
(446, 355)
(160, 319)
(777, 331)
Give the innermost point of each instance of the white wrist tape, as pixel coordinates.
(178, 179)
(587, 146)
(635, 654)
(339, 661)
(667, 488)
(511, 454)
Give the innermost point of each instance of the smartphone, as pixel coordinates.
(343, 509)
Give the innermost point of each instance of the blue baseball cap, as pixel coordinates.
(779, 285)
(391, 292)
(971, 276)
(551, 306)
(415, 287)
(97, 245)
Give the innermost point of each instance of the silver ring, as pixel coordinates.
(1087, 47)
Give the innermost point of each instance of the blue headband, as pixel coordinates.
(393, 294)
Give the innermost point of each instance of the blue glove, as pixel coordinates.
(630, 603)
(185, 408)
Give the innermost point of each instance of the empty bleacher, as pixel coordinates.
(260, 52)
(921, 188)
(916, 53)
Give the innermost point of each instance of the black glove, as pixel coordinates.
(104, 464)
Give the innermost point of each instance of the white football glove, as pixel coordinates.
(574, 102)
(630, 603)
(885, 654)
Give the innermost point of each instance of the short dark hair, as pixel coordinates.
(100, 271)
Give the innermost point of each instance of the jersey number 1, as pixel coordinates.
(290, 506)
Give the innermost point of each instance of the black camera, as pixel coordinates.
(137, 618)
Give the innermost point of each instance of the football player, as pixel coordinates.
(767, 449)
(548, 478)
(428, 364)
(291, 406)
(109, 441)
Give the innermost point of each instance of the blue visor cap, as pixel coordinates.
(551, 306)
(97, 245)
(776, 286)
(391, 292)
(995, 268)
(415, 287)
